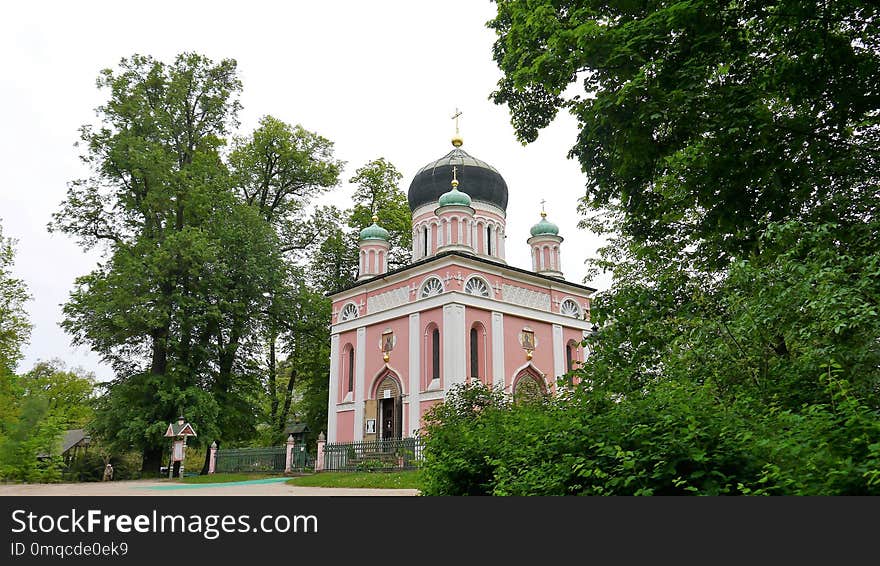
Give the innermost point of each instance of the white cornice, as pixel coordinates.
(382, 281)
(457, 297)
(477, 205)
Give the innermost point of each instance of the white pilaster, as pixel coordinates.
(497, 349)
(360, 363)
(558, 352)
(454, 341)
(334, 388)
(586, 351)
(415, 369)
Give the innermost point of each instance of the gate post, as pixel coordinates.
(287, 461)
(212, 462)
(319, 460)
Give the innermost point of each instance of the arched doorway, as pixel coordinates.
(389, 408)
(528, 386)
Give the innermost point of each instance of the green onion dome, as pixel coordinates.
(454, 197)
(544, 227)
(374, 231)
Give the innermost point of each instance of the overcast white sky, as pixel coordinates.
(380, 79)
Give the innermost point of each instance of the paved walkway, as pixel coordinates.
(151, 488)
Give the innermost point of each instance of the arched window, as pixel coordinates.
(475, 353)
(569, 357)
(570, 308)
(432, 286)
(488, 240)
(435, 353)
(477, 286)
(349, 311)
(425, 250)
(350, 369)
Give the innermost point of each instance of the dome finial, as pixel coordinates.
(374, 231)
(454, 197)
(543, 212)
(456, 139)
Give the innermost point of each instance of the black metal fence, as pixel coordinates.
(262, 459)
(373, 456)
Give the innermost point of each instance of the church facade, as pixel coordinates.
(400, 339)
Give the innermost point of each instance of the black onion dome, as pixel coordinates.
(478, 179)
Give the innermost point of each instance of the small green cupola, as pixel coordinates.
(454, 197)
(374, 231)
(545, 227)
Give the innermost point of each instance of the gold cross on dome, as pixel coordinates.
(454, 171)
(543, 201)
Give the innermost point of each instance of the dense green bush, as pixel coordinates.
(90, 467)
(679, 439)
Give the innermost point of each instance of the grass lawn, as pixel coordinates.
(223, 478)
(409, 479)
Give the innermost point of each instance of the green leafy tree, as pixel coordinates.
(70, 392)
(183, 255)
(701, 123)
(279, 170)
(14, 325)
(377, 192)
(730, 154)
(730, 163)
(333, 264)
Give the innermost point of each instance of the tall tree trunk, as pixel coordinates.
(159, 361)
(288, 395)
(207, 463)
(273, 381)
(159, 364)
(152, 462)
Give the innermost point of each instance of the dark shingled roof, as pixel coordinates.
(296, 428)
(478, 179)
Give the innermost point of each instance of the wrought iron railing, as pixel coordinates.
(376, 455)
(272, 459)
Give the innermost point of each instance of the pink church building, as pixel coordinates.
(457, 312)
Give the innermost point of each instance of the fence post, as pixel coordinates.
(319, 460)
(212, 462)
(287, 461)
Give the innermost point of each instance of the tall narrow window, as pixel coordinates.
(425, 238)
(568, 357)
(350, 370)
(435, 354)
(488, 240)
(475, 354)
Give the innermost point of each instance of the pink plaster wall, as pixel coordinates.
(345, 338)
(345, 426)
(515, 355)
(484, 318)
(424, 407)
(375, 367)
(426, 319)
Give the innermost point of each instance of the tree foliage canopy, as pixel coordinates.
(701, 122)
(730, 153)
